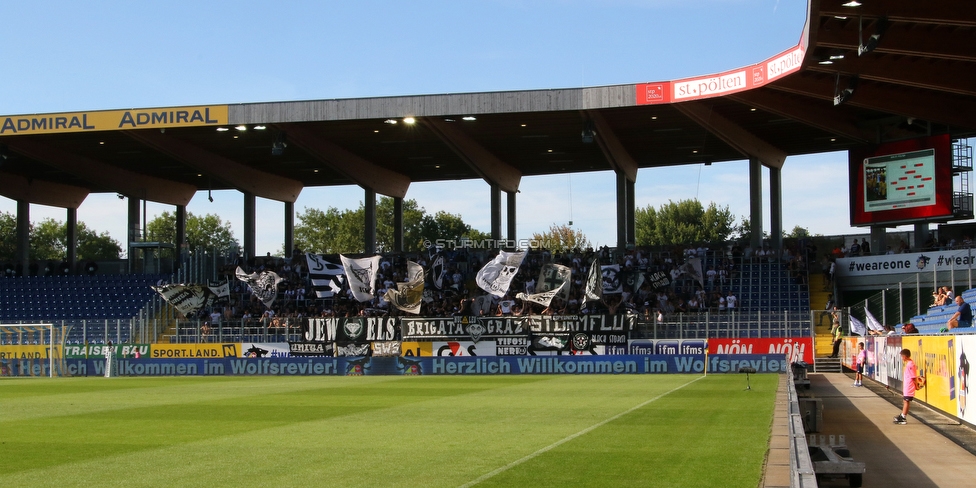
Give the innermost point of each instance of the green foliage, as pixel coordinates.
(8, 236)
(49, 242)
(562, 237)
(207, 232)
(342, 231)
(332, 231)
(683, 222)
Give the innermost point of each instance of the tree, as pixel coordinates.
(49, 242)
(207, 232)
(332, 231)
(341, 231)
(561, 237)
(683, 222)
(8, 236)
(797, 233)
(413, 216)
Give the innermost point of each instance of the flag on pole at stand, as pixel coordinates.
(857, 327)
(872, 322)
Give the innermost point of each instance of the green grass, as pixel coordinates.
(385, 431)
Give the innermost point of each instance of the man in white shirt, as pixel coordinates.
(730, 301)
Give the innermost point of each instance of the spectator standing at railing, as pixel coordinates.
(963, 316)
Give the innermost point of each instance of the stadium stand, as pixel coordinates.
(935, 318)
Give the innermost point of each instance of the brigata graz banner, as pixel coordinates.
(461, 328)
(407, 365)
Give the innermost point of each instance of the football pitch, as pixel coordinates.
(559, 430)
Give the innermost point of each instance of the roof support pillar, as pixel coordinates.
(133, 232)
(369, 213)
(510, 208)
(71, 237)
(250, 234)
(398, 224)
(621, 211)
(181, 250)
(776, 209)
(496, 212)
(755, 203)
(23, 235)
(631, 221)
(289, 229)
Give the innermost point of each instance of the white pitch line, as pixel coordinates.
(564, 440)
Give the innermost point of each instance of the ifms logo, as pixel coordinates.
(922, 261)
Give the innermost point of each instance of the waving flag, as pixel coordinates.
(187, 299)
(594, 283)
(264, 285)
(361, 274)
(326, 277)
(496, 276)
(409, 294)
(553, 282)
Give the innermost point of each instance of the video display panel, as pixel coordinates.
(902, 182)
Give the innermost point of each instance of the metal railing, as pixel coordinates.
(725, 324)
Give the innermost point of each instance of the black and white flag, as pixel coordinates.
(693, 268)
(361, 274)
(553, 282)
(410, 294)
(437, 271)
(326, 277)
(612, 284)
(496, 276)
(222, 290)
(594, 283)
(187, 299)
(264, 285)
(632, 280)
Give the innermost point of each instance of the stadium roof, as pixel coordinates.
(914, 76)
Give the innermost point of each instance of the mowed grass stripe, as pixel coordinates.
(564, 440)
(454, 430)
(225, 406)
(43, 397)
(710, 433)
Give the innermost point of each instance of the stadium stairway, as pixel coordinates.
(826, 365)
(821, 324)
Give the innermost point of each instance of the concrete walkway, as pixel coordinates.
(914, 455)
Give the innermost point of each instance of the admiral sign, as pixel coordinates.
(156, 118)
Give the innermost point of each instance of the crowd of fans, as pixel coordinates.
(667, 284)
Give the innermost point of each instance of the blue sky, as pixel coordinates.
(65, 56)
